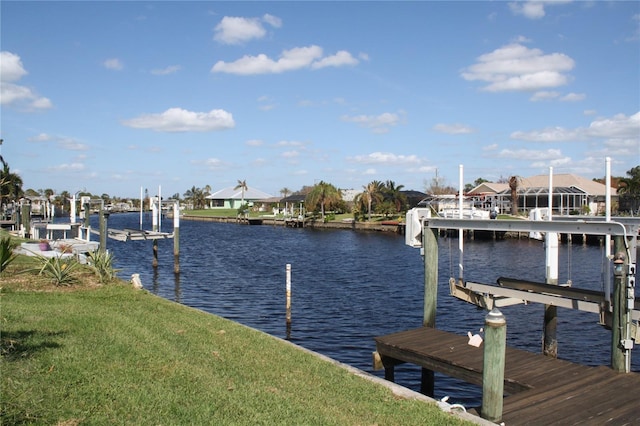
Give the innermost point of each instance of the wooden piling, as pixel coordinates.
(430, 247)
(103, 229)
(495, 342)
(87, 224)
(155, 254)
(25, 212)
(618, 352)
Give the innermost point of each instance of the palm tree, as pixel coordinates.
(629, 189)
(285, 193)
(514, 182)
(372, 193)
(196, 196)
(242, 185)
(323, 194)
(393, 195)
(630, 185)
(10, 184)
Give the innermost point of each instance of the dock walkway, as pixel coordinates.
(540, 389)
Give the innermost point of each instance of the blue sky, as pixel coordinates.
(110, 97)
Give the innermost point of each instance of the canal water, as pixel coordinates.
(348, 287)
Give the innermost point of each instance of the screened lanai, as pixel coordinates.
(565, 199)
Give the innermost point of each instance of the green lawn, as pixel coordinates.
(114, 355)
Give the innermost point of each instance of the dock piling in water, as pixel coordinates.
(288, 289)
(495, 343)
(176, 238)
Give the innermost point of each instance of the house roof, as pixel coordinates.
(561, 183)
(489, 187)
(294, 198)
(236, 194)
(566, 180)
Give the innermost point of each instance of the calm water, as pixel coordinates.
(348, 287)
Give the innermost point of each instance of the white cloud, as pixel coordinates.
(274, 21)
(289, 60)
(370, 172)
(180, 120)
(42, 137)
(73, 167)
(214, 163)
(531, 154)
(549, 134)
(378, 123)
(113, 64)
(544, 95)
(554, 162)
(11, 71)
(385, 158)
(339, 59)
(515, 67)
(573, 97)
(65, 143)
(72, 145)
(171, 69)
(454, 129)
(290, 154)
(254, 142)
(238, 30)
(619, 127)
(289, 143)
(11, 68)
(533, 9)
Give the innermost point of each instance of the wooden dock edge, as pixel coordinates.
(397, 390)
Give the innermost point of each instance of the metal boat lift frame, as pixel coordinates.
(510, 291)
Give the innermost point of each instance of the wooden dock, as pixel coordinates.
(540, 390)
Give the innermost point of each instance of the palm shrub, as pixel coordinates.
(101, 262)
(6, 252)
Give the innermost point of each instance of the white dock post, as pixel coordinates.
(176, 237)
(288, 290)
(288, 302)
(155, 229)
(460, 216)
(607, 238)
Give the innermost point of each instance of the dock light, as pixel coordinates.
(618, 263)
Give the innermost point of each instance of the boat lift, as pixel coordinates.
(509, 291)
(618, 307)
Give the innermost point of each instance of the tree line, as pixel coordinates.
(376, 198)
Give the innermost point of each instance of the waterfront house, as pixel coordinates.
(230, 198)
(571, 194)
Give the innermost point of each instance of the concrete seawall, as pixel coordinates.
(388, 226)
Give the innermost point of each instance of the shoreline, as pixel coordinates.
(387, 226)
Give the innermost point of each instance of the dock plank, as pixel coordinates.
(539, 389)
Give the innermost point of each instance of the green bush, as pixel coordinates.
(60, 270)
(6, 252)
(102, 264)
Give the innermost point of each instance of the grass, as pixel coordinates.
(108, 354)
